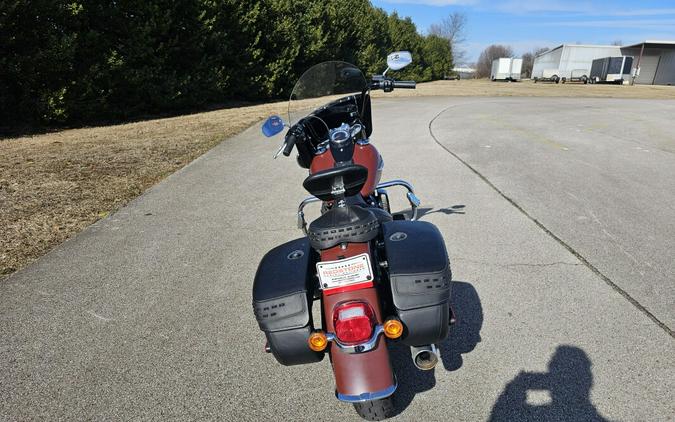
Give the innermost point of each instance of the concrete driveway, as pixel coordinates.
(147, 315)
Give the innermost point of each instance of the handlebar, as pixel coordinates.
(289, 144)
(378, 82)
(405, 84)
(388, 84)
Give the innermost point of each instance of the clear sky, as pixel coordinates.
(525, 25)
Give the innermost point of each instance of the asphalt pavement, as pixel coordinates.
(146, 315)
(598, 173)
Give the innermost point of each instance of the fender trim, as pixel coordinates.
(376, 395)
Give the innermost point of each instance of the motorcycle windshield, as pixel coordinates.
(323, 83)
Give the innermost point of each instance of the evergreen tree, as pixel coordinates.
(75, 62)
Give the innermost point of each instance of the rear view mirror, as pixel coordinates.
(272, 126)
(399, 60)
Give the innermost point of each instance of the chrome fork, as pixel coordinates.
(412, 199)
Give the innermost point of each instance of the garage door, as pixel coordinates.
(648, 66)
(665, 75)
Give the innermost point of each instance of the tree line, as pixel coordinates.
(79, 62)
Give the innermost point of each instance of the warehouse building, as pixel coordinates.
(655, 61)
(571, 57)
(464, 72)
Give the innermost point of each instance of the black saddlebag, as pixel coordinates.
(420, 277)
(282, 301)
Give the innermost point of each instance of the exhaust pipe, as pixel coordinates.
(425, 357)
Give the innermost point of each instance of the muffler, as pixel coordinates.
(425, 357)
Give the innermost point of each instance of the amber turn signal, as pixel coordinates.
(317, 341)
(393, 328)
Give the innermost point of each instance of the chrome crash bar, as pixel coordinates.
(412, 199)
(302, 224)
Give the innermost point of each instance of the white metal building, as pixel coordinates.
(655, 60)
(568, 57)
(465, 72)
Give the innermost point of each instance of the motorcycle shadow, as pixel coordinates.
(425, 211)
(463, 337)
(422, 211)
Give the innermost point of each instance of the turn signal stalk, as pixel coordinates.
(317, 341)
(393, 328)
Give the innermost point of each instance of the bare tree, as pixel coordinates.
(528, 61)
(617, 42)
(453, 29)
(494, 51)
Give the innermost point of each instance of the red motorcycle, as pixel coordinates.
(378, 277)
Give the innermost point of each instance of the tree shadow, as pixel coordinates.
(561, 394)
(37, 128)
(463, 337)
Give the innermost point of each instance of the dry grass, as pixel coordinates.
(54, 185)
(486, 88)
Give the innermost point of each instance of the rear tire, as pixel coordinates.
(376, 410)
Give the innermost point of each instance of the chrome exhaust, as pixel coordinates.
(425, 357)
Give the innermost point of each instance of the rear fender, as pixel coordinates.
(360, 376)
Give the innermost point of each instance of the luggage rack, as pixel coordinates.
(410, 195)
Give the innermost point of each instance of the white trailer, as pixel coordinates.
(548, 75)
(577, 75)
(506, 69)
(516, 69)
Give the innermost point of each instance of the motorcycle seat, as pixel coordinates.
(348, 224)
(382, 215)
(329, 184)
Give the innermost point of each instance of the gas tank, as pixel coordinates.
(365, 154)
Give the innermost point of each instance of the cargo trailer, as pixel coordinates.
(506, 69)
(568, 57)
(548, 75)
(577, 75)
(516, 68)
(611, 69)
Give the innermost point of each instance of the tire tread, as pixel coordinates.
(376, 410)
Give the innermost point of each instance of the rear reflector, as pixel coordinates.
(393, 328)
(317, 341)
(353, 322)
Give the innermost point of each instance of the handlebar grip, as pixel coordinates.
(290, 143)
(405, 84)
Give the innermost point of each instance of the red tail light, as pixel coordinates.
(353, 322)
